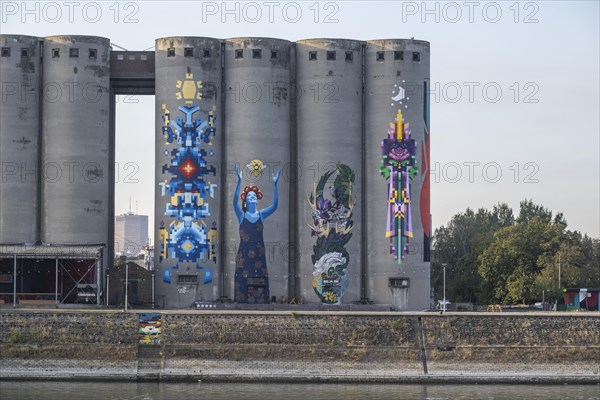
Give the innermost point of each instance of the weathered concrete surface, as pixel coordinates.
(19, 138)
(75, 141)
(304, 346)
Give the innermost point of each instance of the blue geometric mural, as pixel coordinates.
(188, 238)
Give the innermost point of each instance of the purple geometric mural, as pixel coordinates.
(399, 166)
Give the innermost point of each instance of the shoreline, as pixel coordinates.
(300, 347)
(443, 379)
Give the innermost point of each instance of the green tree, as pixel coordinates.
(529, 210)
(511, 263)
(458, 245)
(492, 257)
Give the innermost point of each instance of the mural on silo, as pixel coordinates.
(256, 167)
(425, 188)
(399, 166)
(251, 275)
(332, 223)
(188, 238)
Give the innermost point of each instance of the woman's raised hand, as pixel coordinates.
(276, 176)
(238, 172)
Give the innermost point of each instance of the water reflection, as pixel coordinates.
(188, 391)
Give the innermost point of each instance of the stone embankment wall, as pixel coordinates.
(74, 345)
(312, 346)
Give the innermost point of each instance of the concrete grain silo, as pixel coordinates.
(76, 189)
(188, 171)
(346, 123)
(257, 132)
(329, 137)
(19, 138)
(397, 186)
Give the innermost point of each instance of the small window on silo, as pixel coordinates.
(74, 52)
(188, 52)
(143, 57)
(6, 52)
(55, 53)
(312, 56)
(24, 53)
(349, 56)
(273, 54)
(131, 57)
(331, 55)
(171, 52)
(380, 56)
(239, 53)
(93, 53)
(256, 53)
(398, 55)
(416, 56)
(206, 53)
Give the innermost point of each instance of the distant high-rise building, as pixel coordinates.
(131, 233)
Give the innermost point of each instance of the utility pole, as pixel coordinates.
(126, 283)
(444, 301)
(559, 285)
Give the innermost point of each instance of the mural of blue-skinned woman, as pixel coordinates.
(251, 276)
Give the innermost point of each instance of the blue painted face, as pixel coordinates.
(251, 197)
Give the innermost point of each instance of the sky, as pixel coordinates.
(515, 107)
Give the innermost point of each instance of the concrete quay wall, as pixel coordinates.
(303, 346)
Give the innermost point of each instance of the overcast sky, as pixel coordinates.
(541, 132)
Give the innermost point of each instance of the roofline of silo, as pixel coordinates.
(78, 38)
(416, 41)
(330, 41)
(19, 36)
(188, 37)
(257, 38)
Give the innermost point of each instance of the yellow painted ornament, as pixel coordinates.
(256, 166)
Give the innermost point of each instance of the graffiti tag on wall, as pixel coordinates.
(149, 328)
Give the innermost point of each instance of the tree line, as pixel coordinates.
(493, 257)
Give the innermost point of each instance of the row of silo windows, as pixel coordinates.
(256, 53)
(6, 52)
(331, 56)
(312, 55)
(399, 55)
(188, 52)
(239, 53)
(73, 52)
(132, 57)
(380, 56)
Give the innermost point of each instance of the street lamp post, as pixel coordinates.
(444, 301)
(153, 289)
(126, 282)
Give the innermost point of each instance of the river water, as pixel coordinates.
(273, 391)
